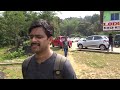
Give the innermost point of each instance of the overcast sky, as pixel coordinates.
(67, 14)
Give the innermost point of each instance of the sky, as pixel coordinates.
(67, 14)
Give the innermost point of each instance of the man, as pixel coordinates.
(41, 64)
(65, 46)
(110, 42)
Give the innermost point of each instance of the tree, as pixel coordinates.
(13, 25)
(69, 26)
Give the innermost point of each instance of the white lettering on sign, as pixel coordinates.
(111, 25)
(106, 28)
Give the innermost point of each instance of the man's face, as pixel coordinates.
(39, 41)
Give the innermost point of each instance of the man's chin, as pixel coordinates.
(35, 51)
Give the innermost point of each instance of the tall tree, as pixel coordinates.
(14, 23)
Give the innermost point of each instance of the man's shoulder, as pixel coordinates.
(60, 55)
(28, 59)
(63, 58)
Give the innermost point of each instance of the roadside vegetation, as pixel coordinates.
(14, 42)
(93, 65)
(87, 65)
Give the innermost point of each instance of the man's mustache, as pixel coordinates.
(35, 44)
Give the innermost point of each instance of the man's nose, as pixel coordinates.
(33, 39)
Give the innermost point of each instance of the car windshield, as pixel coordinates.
(105, 37)
(62, 38)
(83, 39)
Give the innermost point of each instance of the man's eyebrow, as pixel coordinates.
(34, 35)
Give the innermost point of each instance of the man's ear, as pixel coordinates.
(50, 39)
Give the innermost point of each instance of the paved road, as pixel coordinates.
(74, 47)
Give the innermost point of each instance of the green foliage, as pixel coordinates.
(86, 26)
(26, 43)
(69, 26)
(14, 25)
(14, 54)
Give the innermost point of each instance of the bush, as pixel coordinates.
(14, 54)
(26, 43)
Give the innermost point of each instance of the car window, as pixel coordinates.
(97, 37)
(105, 37)
(89, 38)
(62, 38)
(117, 37)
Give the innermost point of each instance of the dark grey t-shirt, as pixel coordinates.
(45, 69)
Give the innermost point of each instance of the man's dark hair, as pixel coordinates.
(48, 28)
(110, 34)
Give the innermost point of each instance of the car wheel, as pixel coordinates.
(102, 47)
(116, 46)
(80, 46)
(52, 45)
(60, 46)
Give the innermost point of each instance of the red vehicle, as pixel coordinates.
(58, 41)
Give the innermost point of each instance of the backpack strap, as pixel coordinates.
(25, 66)
(58, 66)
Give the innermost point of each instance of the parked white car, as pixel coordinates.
(75, 39)
(96, 41)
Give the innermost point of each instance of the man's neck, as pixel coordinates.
(41, 57)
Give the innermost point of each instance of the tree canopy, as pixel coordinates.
(14, 25)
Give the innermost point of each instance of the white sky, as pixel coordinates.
(67, 14)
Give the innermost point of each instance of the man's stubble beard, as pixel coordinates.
(40, 50)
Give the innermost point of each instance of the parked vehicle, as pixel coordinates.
(72, 39)
(117, 40)
(75, 39)
(96, 41)
(58, 41)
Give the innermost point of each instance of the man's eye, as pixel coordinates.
(31, 36)
(36, 36)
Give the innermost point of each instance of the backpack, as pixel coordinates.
(58, 66)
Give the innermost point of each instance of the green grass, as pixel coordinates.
(11, 71)
(2, 53)
(97, 65)
(88, 65)
(14, 71)
(96, 60)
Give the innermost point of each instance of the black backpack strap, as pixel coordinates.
(25, 66)
(58, 66)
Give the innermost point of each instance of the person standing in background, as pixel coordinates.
(65, 46)
(110, 42)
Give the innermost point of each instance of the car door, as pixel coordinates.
(96, 41)
(88, 41)
(56, 41)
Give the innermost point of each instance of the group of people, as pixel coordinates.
(42, 63)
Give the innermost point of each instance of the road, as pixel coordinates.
(74, 47)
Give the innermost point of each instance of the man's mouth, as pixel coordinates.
(35, 44)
